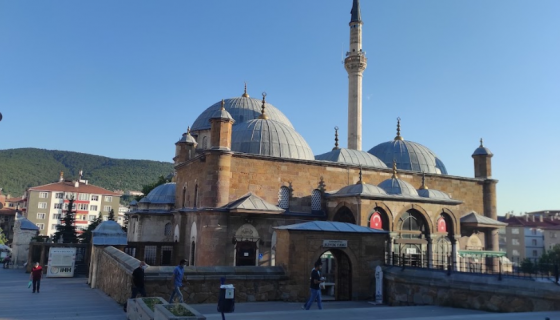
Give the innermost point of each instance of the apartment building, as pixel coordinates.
(529, 236)
(47, 204)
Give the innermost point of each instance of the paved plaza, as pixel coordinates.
(71, 298)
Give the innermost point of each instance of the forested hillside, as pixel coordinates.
(23, 168)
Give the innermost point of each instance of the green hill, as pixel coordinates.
(28, 167)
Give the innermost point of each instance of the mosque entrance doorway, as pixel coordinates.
(337, 271)
(246, 253)
(411, 247)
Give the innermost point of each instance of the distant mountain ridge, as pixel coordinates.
(29, 167)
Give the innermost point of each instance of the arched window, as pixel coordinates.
(196, 196)
(184, 196)
(167, 230)
(412, 225)
(316, 200)
(193, 248)
(344, 215)
(284, 198)
(205, 142)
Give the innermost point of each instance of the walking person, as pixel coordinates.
(138, 282)
(178, 281)
(36, 275)
(7, 262)
(315, 290)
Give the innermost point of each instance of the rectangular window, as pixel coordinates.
(40, 216)
(83, 196)
(58, 205)
(107, 208)
(92, 208)
(94, 197)
(43, 195)
(57, 216)
(515, 242)
(534, 242)
(533, 231)
(535, 253)
(83, 206)
(515, 253)
(108, 199)
(92, 217)
(53, 226)
(515, 230)
(59, 195)
(42, 205)
(41, 226)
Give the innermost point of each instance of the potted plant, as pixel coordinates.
(177, 311)
(143, 308)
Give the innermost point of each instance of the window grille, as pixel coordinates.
(284, 198)
(316, 200)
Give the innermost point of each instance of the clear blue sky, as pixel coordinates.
(124, 79)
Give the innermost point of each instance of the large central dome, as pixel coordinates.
(242, 109)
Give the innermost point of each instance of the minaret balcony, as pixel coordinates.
(355, 62)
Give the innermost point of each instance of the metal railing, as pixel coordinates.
(501, 267)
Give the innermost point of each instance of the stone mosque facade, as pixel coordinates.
(243, 170)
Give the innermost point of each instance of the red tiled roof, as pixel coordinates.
(18, 199)
(68, 186)
(547, 223)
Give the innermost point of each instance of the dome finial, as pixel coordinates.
(189, 129)
(336, 139)
(223, 107)
(481, 143)
(263, 114)
(395, 176)
(245, 95)
(360, 175)
(398, 137)
(424, 186)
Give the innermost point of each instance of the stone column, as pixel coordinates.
(391, 250)
(430, 239)
(454, 262)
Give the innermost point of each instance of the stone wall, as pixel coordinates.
(471, 291)
(112, 273)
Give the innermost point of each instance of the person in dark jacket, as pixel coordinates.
(36, 275)
(138, 281)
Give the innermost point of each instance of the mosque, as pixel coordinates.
(243, 171)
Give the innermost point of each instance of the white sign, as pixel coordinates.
(378, 285)
(230, 291)
(335, 243)
(411, 251)
(62, 262)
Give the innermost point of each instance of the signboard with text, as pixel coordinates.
(335, 243)
(62, 262)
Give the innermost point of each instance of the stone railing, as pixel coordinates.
(112, 273)
(471, 291)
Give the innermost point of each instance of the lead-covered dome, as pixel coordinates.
(269, 137)
(241, 109)
(163, 194)
(351, 156)
(408, 155)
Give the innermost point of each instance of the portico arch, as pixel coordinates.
(246, 246)
(344, 214)
(337, 270)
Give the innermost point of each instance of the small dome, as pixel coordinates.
(221, 113)
(351, 156)
(161, 194)
(433, 194)
(270, 138)
(188, 138)
(409, 156)
(133, 203)
(241, 109)
(109, 233)
(361, 189)
(482, 150)
(25, 224)
(395, 186)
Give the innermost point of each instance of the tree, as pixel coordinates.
(125, 223)
(527, 266)
(111, 215)
(149, 187)
(67, 230)
(3, 239)
(85, 237)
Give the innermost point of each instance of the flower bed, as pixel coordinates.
(177, 311)
(143, 308)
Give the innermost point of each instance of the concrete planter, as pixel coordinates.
(166, 312)
(137, 309)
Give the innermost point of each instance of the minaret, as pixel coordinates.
(355, 64)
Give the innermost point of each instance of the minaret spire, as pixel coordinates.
(355, 64)
(335, 139)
